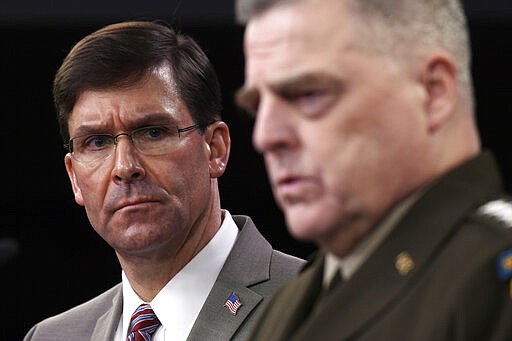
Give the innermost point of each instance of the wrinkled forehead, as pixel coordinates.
(154, 93)
(298, 32)
(158, 80)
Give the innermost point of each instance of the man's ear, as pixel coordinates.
(219, 142)
(440, 82)
(72, 178)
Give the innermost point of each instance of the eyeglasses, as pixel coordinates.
(151, 140)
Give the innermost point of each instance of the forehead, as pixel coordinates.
(297, 35)
(155, 93)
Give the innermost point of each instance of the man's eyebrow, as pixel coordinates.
(305, 79)
(86, 130)
(245, 97)
(153, 118)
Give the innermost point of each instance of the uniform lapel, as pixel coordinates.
(382, 280)
(295, 303)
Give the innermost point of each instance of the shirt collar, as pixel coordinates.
(349, 264)
(178, 304)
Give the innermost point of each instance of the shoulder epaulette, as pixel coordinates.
(499, 209)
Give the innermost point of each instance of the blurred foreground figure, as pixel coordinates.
(364, 114)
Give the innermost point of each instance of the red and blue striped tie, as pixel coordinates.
(143, 324)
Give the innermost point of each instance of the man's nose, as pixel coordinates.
(127, 165)
(274, 126)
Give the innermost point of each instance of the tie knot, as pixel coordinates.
(143, 324)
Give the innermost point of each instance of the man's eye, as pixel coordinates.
(311, 95)
(311, 102)
(95, 142)
(153, 133)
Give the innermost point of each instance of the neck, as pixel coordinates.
(149, 272)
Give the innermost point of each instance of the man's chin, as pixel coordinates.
(300, 227)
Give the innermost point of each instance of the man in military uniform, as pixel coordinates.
(364, 114)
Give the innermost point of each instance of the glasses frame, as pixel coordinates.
(69, 145)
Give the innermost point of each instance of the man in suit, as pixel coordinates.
(364, 114)
(140, 106)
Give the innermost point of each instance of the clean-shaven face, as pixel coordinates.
(339, 126)
(141, 203)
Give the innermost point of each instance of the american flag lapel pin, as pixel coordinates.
(233, 303)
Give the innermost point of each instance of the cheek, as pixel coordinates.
(184, 177)
(92, 191)
(197, 174)
(350, 163)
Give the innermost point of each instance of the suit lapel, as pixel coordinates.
(379, 283)
(215, 319)
(247, 264)
(106, 325)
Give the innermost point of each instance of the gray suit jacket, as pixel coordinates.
(253, 270)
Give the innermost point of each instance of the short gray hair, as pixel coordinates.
(246, 9)
(396, 25)
(420, 23)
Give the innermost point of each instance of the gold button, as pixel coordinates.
(507, 263)
(404, 263)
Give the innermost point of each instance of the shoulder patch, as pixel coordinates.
(498, 209)
(504, 265)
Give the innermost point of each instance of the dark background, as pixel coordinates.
(61, 261)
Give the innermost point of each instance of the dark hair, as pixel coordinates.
(120, 55)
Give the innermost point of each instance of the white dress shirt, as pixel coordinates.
(178, 304)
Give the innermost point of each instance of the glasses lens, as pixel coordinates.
(92, 147)
(155, 140)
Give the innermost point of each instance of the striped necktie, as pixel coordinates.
(143, 324)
